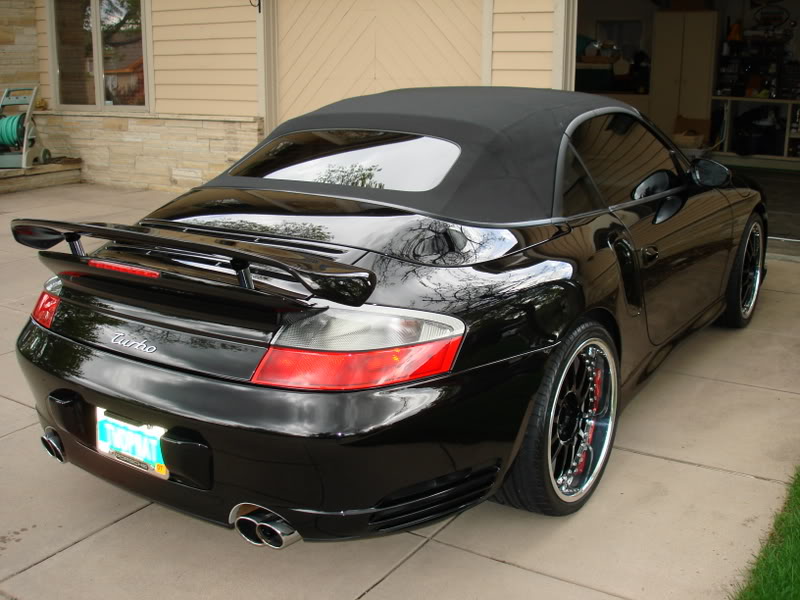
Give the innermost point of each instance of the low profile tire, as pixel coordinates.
(746, 275)
(571, 428)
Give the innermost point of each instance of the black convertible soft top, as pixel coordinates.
(509, 139)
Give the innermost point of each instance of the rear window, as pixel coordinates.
(356, 158)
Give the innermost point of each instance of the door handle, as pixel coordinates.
(649, 255)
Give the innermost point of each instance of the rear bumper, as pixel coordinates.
(335, 465)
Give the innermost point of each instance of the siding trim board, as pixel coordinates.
(267, 45)
(565, 19)
(486, 42)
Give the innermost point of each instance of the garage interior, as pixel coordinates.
(722, 77)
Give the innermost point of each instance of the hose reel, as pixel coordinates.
(12, 130)
(18, 148)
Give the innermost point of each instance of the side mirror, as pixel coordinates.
(709, 173)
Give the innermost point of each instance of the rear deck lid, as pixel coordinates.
(325, 223)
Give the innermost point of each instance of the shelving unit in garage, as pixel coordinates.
(785, 148)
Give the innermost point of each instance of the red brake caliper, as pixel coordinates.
(598, 391)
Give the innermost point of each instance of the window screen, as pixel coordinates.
(356, 158)
(624, 158)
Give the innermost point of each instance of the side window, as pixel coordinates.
(579, 194)
(626, 161)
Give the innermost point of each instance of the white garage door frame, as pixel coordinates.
(267, 48)
(565, 25)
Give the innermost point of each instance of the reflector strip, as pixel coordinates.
(45, 309)
(318, 370)
(130, 270)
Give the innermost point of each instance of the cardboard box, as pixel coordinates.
(691, 133)
(687, 140)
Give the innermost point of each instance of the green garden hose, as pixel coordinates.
(12, 130)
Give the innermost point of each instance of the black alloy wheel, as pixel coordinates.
(746, 275)
(571, 429)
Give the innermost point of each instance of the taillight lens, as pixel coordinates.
(343, 349)
(45, 309)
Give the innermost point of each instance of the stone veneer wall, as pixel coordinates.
(161, 152)
(19, 59)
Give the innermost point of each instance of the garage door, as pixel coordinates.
(329, 50)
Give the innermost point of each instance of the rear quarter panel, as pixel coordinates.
(524, 301)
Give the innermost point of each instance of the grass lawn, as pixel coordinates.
(776, 572)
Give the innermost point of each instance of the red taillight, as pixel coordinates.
(45, 309)
(319, 370)
(130, 270)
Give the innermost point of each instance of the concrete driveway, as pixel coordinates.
(703, 457)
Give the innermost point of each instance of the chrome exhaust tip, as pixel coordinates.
(247, 526)
(52, 444)
(261, 527)
(277, 533)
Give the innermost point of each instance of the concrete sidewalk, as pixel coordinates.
(703, 456)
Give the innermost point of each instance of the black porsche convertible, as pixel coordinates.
(393, 308)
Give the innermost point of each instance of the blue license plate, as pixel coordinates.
(136, 445)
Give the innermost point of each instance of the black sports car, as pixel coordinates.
(390, 310)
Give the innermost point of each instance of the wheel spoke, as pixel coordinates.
(573, 450)
(559, 453)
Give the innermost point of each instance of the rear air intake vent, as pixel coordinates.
(433, 499)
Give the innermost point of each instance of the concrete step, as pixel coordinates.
(66, 170)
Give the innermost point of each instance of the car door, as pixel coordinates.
(681, 233)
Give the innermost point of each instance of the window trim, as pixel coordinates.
(566, 142)
(560, 170)
(53, 70)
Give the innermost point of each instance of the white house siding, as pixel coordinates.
(522, 42)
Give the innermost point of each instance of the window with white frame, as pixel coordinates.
(99, 53)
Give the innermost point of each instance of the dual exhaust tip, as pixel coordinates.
(261, 527)
(52, 444)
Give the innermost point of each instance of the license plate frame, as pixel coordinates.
(138, 446)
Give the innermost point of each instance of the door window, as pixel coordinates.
(579, 193)
(625, 159)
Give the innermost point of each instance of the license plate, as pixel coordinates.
(136, 445)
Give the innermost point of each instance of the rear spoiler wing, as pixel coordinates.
(322, 277)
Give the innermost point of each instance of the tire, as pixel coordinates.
(560, 414)
(747, 273)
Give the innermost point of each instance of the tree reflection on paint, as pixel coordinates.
(308, 231)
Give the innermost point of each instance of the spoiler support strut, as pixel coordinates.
(243, 274)
(74, 241)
